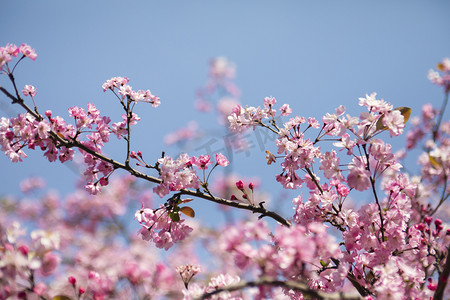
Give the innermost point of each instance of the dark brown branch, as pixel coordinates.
(443, 278)
(441, 114)
(117, 165)
(292, 285)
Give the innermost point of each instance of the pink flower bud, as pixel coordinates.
(240, 185)
(420, 226)
(428, 220)
(23, 249)
(81, 290)
(438, 222)
(251, 186)
(48, 113)
(233, 197)
(72, 280)
(104, 181)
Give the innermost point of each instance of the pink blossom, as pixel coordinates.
(202, 162)
(29, 90)
(285, 110)
(222, 160)
(12, 50)
(187, 272)
(313, 123)
(221, 68)
(359, 177)
(375, 105)
(40, 289)
(4, 58)
(27, 51)
(50, 262)
(394, 120)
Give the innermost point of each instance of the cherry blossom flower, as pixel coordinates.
(222, 160)
(29, 90)
(28, 51)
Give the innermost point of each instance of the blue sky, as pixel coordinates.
(312, 55)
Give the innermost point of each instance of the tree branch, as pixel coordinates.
(443, 278)
(292, 285)
(117, 165)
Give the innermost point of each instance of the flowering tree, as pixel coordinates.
(394, 247)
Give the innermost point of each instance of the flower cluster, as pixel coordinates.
(181, 173)
(160, 228)
(444, 78)
(187, 272)
(11, 50)
(121, 85)
(395, 245)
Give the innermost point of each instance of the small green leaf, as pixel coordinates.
(174, 216)
(324, 264)
(188, 211)
(380, 125)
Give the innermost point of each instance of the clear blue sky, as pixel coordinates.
(314, 55)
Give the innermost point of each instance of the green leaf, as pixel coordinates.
(380, 125)
(174, 216)
(324, 264)
(188, 211)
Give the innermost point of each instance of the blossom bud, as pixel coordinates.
(104, 181)
(240, 185)
(438, 222)
(72, 280)
(233, 197)
(9, 135)
(251, 185)
(428, 220)
(420, 226)
(81, 290)
(48, 113)
(23, 249)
